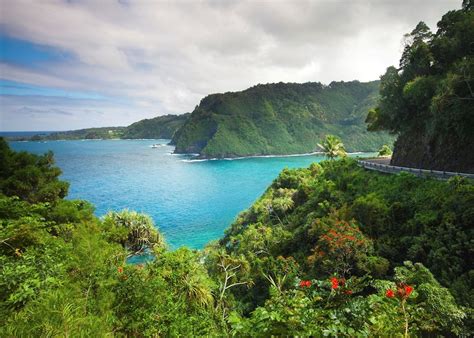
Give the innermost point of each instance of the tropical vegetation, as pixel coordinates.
(327, 250)
(385, 151)
(428, 100)
(332, 147)
(159, 127)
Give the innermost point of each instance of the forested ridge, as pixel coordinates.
(160, 127)
(281, 118)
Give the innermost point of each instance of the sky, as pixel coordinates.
(76, 64)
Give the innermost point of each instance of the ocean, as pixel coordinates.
(191, 201)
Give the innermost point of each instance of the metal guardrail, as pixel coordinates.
(391, 169)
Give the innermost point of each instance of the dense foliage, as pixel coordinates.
(281, 118)
(64, 272)
(338, 220)
(429, 100)
(30, 177)
(332, 147)
(385, 151)
(160, 127)
(323, 252)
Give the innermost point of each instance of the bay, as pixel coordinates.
(191, 202)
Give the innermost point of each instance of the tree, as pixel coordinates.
(385, 151)
(134, 231)
(31, 177)
(340, 247)
(427, 100)
(333, 147)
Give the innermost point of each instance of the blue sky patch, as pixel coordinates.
(8, 87)
(26, 53)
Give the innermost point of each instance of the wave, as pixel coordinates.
(146, 139)
(199, 160)
(182, 155)
(244, 157)
(256, 156)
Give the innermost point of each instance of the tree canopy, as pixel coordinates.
(31, 177)
(428, 101)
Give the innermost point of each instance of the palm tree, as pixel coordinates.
(333, 147)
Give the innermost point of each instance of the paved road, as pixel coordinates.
(383, 165)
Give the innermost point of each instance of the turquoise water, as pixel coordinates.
(192, 202)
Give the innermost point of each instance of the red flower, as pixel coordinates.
(305, 283)
(390, 293)
(348, 292)
(120, 269)
(404, 291)
(334, 283)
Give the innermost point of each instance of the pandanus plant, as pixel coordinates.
(136, 232)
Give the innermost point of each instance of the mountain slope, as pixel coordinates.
(158, 127)
(281, 118)
(80, 134)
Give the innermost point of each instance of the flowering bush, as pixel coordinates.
(340, 245)
(403, 291)
(334, 283)
(330, 307)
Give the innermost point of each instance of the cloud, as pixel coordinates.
(59, 113)
(163, 57)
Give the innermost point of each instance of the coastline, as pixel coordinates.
(11, 139)
(194, 157)
(197, 157)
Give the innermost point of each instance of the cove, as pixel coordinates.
(191, 202)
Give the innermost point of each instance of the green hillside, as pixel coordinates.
(162, 127)
(158, 127)
(82, 134)
(281, 118)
